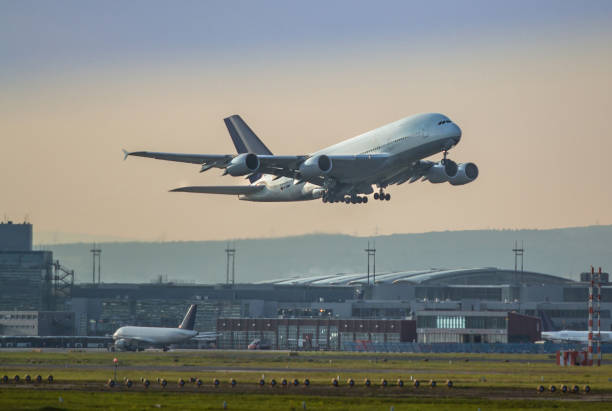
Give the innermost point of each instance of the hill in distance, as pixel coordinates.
(565, 252)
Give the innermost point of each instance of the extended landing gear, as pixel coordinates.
(345, 199)
(355, 199)
(382, 196)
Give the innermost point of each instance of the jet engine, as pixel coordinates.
(243, 164)
(466, 173)
(442, 172)
(122, 345)
(315, 166)
(318, 192)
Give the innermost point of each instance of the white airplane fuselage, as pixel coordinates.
(576, 336)
(154, 335)
(404, 141)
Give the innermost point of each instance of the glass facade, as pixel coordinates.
(450, 321)
(370, 312)
(462, 321)
(309, 334)
(292, 337)
(333, 338)
(461, 327)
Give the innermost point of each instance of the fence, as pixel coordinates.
(509, 348)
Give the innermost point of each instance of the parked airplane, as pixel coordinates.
(575, 336)
(259, 344)
(344, 172)
(130, 338)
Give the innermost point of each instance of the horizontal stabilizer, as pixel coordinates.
(231, 190)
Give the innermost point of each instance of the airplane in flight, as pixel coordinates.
(130, 338)
(576, 336)
(344, 172)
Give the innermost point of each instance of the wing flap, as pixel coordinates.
(229, 190)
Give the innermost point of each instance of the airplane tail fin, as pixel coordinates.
(243, 137)
(245, 140)
(189, 320)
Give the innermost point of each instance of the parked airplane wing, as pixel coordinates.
(231, 190)
(140, 340)
(206, 336)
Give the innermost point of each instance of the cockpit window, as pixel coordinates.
(443, 122)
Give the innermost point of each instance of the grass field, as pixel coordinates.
(74, 400)
(479, 381)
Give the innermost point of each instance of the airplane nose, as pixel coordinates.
(456, 133)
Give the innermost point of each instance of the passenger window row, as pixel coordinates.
(384, 145)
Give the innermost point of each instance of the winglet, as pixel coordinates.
(125, 154)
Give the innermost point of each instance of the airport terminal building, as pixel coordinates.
(461, 306)
(468, 305)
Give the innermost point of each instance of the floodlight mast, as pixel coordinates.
(371, 250)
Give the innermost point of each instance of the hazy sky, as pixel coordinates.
(528, 82)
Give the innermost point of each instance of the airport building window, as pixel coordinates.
(322, 337)
(269, 337)
(450, 322)
(333, 338)
(461, 322)
(292, 337)
(361, 337)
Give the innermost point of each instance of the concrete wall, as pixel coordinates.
(40, 323)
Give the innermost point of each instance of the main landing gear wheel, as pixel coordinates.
(347, 199)
(382, 196)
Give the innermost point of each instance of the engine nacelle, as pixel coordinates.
(122, 344)
(318, 192)
(243, 164)
(315, 166)
(466, 173)
(442, 172)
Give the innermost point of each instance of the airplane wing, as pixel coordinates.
(231, 190)
(268, 162)
(411, 173)
(140, 340)
(206, 336)
(343, 166)
(183, 158)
